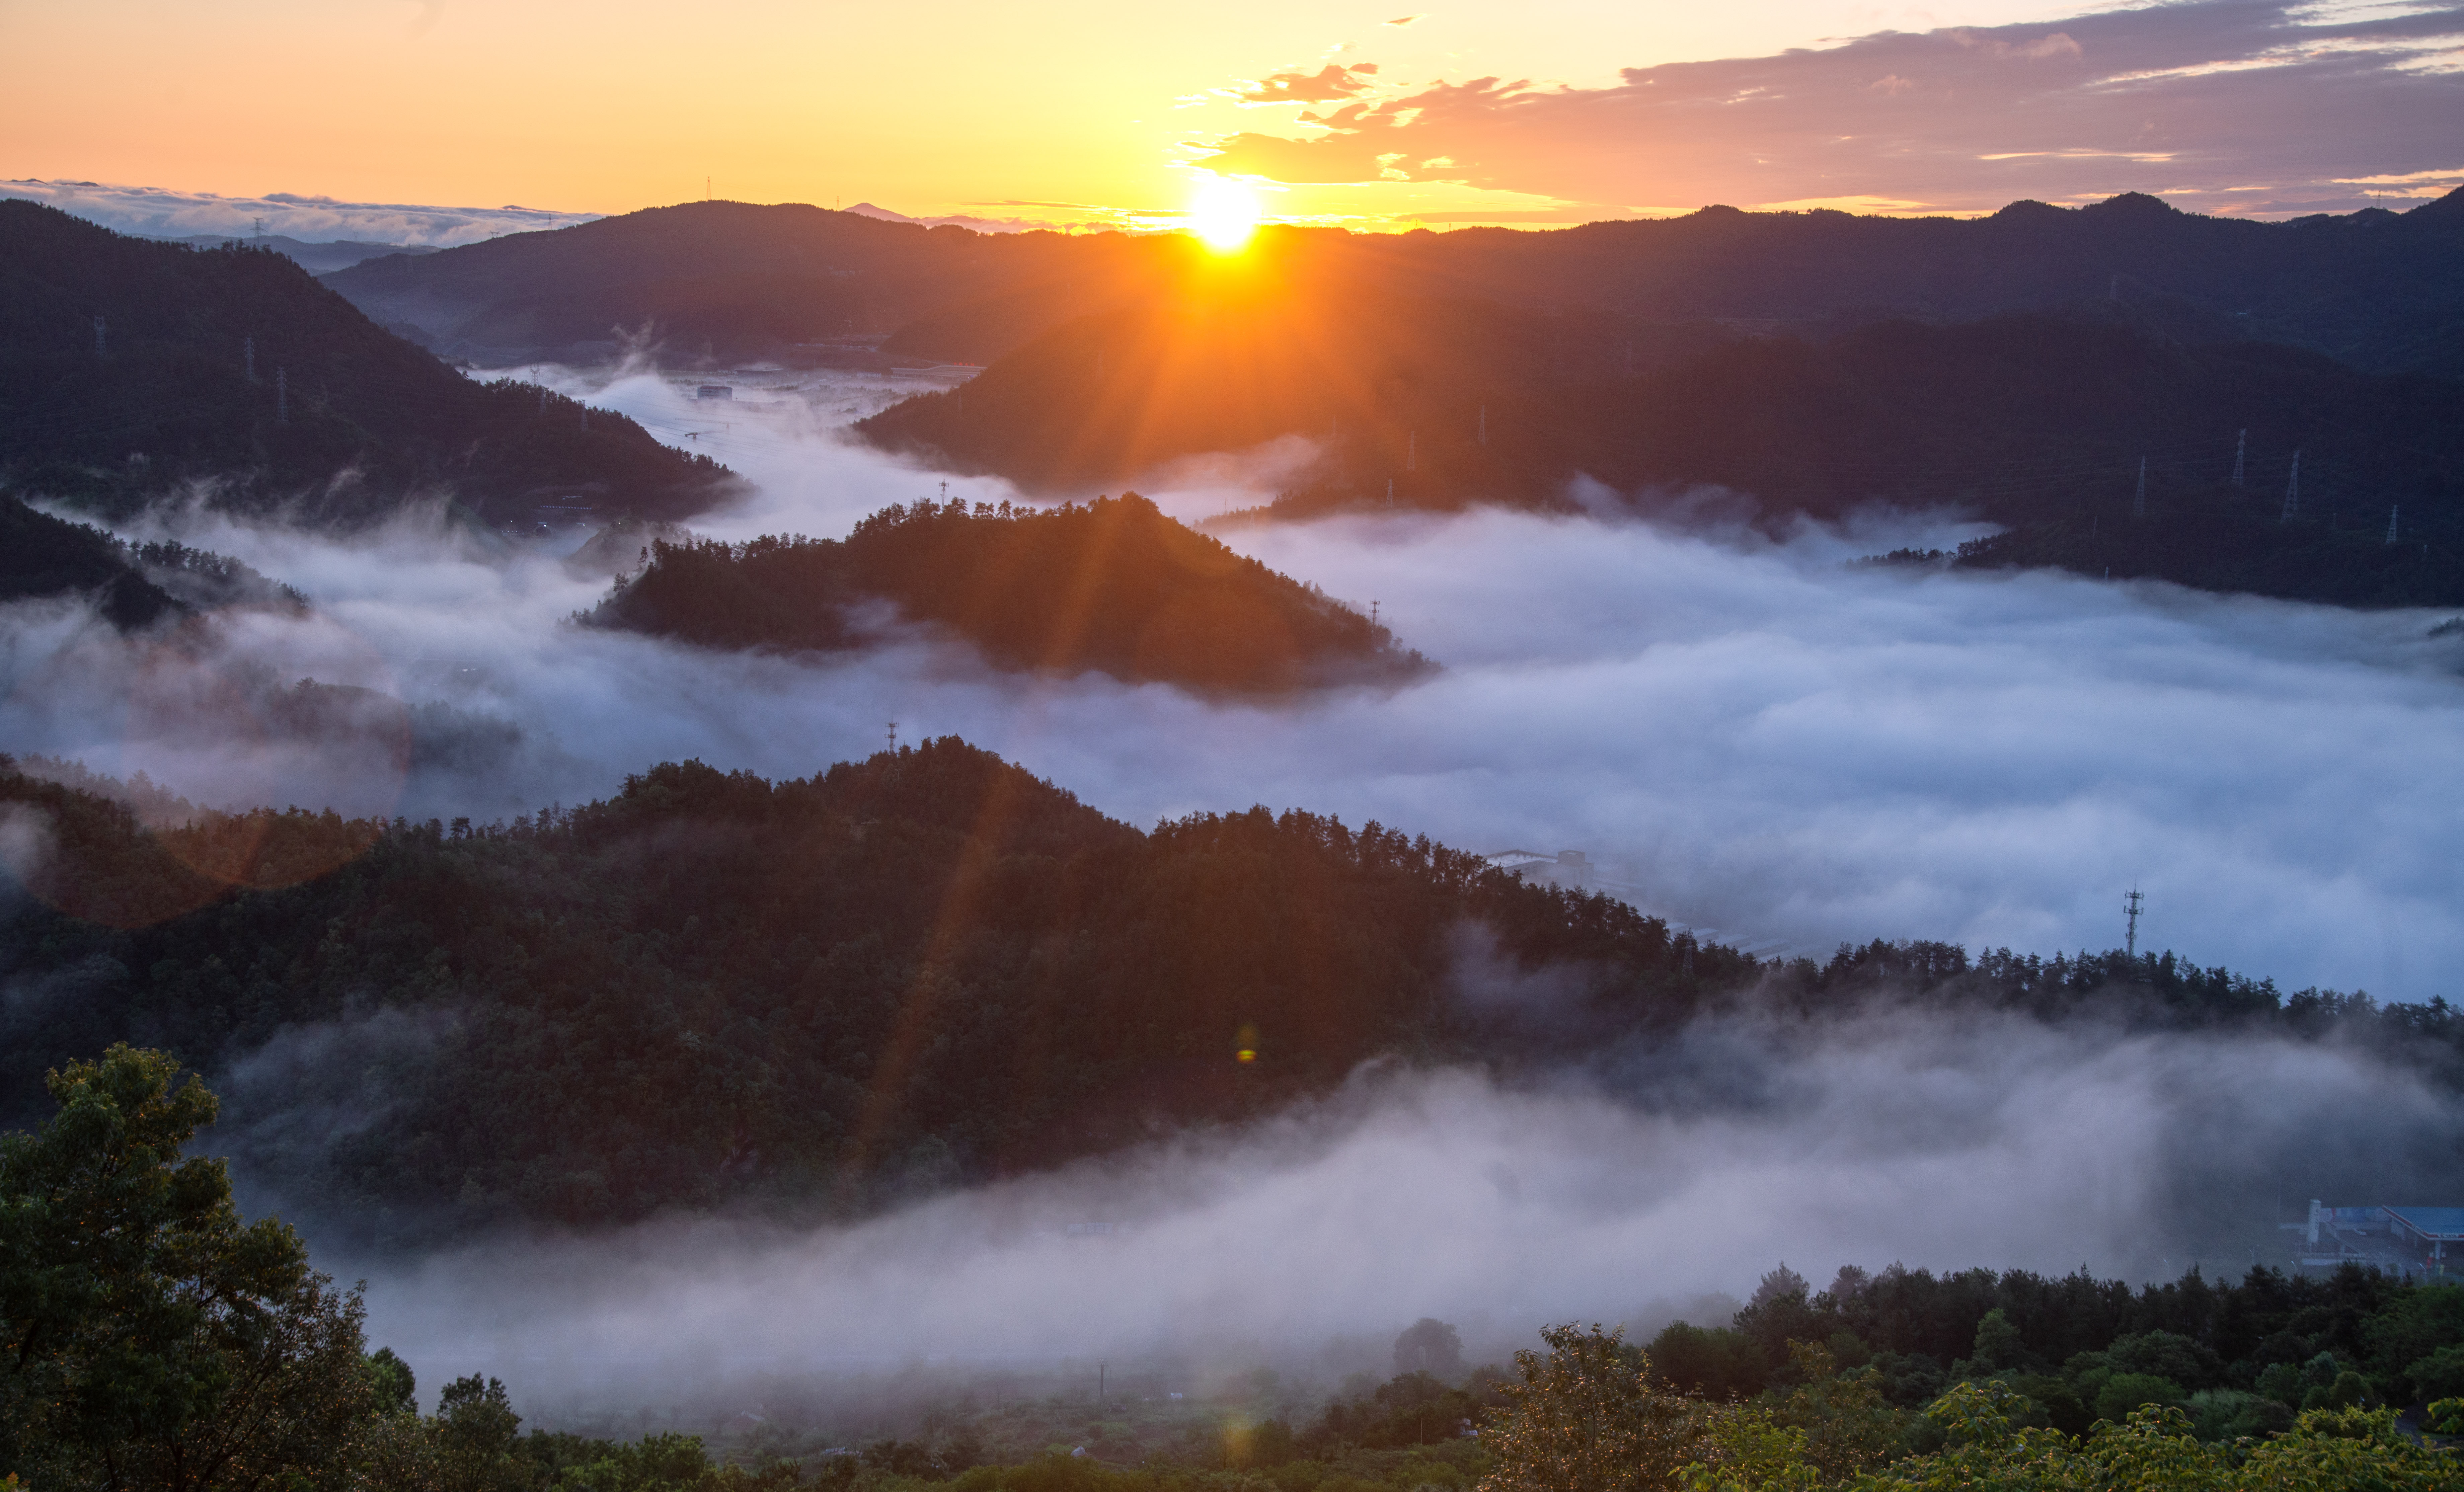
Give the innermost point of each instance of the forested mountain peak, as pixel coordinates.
(1111, 586)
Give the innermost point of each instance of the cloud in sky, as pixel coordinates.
(2247, 106)
(155, 212)
(1327, 84)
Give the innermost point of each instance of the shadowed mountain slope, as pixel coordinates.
(131, 368)
(2036, 422)
(726, 280)
(132, 586)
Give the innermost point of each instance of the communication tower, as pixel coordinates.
(281, 396)
(2131, 905)
(2391, 512)
(97, 337)
(2241, 443)
(2292, 491)
(248, 357)
(1483, 424)
(893, 735)
(2139, 498)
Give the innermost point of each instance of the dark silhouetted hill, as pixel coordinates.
(1112, 587)
(893, 975)
(132, 586)
(2036, 422)
(725, 280)
(340, 420)
(898, 975)
(735, 281)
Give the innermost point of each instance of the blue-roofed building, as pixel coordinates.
(2403, 1239)
(2428, 1230)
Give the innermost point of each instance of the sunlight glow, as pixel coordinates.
(1223, 214)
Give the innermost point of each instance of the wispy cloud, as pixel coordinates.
(2250, 106)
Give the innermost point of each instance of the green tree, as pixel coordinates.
(1589, 1417)
(1846, 1424)
(1997, 1342)
(148, 1336)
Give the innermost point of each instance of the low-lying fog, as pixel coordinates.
(1758, 739)
(1754, 735)
(1308, 1242)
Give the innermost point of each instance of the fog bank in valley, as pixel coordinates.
(1755, 736)
(1748, 734)
(1880, 1138)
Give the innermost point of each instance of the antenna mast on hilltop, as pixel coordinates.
(97, 337)
(2293, 490)
(2130, 908)
(1483, 424)
(2139, 498)
(2241, 441)
(893, 735)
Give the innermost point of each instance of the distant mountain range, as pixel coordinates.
(2379, 290)
(130, 369)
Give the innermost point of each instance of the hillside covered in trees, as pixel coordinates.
(133, 585)
(1112, 586)
(132, 369)
(820, 996)
(2101, 441)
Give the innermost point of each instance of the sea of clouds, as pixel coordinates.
(160, 212)
(1754, 734)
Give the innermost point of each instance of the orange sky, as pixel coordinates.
(1084, 110)
(924, 108)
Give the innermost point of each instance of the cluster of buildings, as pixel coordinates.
(2407, 1241)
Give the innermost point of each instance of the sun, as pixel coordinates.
(1223, 214)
